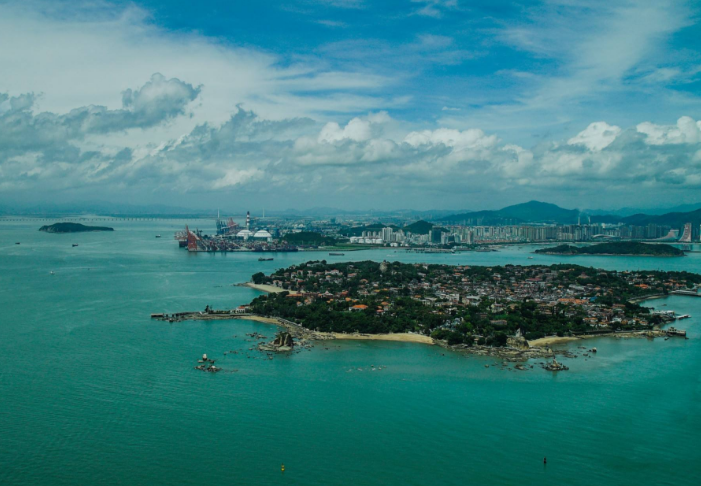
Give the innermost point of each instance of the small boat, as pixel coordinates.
(17, 243)
(530, 258)
(336, 254)
(261, 259)
(158, 236)
(51, 272)
(75, 244)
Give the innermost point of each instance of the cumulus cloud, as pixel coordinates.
(597, 136)
(158, 101)
(356, 130)
(685, 131)
(285, 158)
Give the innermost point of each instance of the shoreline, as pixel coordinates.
(537, 349)
(270, 289)
(304, 333)
(323, 336)
(549, 340)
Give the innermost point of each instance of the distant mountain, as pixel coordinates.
(540, 211)
(532, 211)
(627, 211)
(419, 228)
(401, 214)
(671, 219)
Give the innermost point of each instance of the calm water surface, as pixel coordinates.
(94, 392)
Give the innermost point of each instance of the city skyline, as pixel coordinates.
(422, 104)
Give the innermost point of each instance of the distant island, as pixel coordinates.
(620, 248)
(73, 228)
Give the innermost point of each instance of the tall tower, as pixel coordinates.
(248, 220)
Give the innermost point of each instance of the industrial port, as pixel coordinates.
(231, 237)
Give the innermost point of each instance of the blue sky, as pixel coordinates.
(351, 103)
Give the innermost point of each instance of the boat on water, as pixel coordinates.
(261, 259)
(158, 236)
(530, 258)
(75, 244)
(51, 272)
(336, 254)
(17, 243)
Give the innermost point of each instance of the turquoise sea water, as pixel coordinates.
(94, 392)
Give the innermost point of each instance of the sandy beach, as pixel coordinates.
(401, 337)
(547, 341)
(264, 288)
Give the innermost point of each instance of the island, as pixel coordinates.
(618, 248)
(464, 304)
(73, 228)
(513, 311)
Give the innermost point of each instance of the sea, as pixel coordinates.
(93, 391)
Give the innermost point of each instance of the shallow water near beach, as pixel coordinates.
(92, 391)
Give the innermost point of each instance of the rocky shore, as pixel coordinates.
(517, 350)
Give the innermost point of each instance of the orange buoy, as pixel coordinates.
(282, 468)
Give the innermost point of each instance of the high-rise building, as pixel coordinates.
(387, 234)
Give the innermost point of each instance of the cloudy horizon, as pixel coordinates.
(422, 104)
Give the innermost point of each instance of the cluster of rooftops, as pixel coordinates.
(598, 296)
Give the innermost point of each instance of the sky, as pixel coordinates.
(353, 104)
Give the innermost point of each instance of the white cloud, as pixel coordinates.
(369, 155)
(356, 130)
(597, 136)
(685, 131)
(90, 53)
(84, 112)
(434, 8)
(467, 139)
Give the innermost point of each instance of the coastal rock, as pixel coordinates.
(518, 342)
(282, 342)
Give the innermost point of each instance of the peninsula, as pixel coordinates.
(73, 228)
(620, 248)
